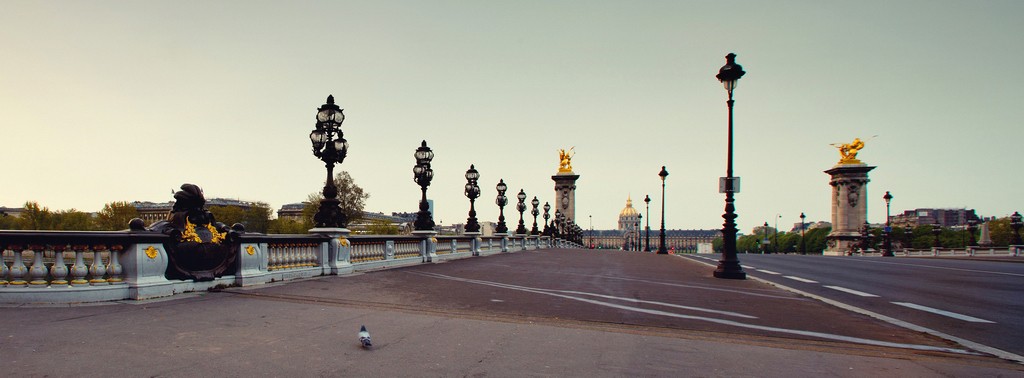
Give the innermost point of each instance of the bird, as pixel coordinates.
(364, 337)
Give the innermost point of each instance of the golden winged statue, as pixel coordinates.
(848, 151)
(565, 159)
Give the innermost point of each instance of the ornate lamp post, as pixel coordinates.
(936, 231)
(472, 192)
(803, 244)
(647, 228)
(521, 206)
(661, 238)
(766, 242)
(547, 209)
(1016, 223)
(729, 265)
(887, 244)
(330, 146)
(422, 174)
(972, 228)
(535, 213)
(501, 201)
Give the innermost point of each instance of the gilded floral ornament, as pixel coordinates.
(190, 235)
(151, 252)
(250, 250)
(343, 241)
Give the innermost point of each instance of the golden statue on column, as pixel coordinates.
(565, 160)
(848, 151)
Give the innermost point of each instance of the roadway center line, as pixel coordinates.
(795, 278)
(943, 312)
(851, 291)
(939, 267)
(768, 271)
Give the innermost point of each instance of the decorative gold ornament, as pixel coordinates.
(343, 241)
(250, 250)
(848, 151)
(190, 233)
(151, 252)
(565, 160)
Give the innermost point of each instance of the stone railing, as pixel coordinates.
(1011, 251)
(79, 267)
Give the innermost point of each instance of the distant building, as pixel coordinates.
(943, 217)
(292, 211)
(152, 212)
(811, 226)
(11, 211)
(631, 234)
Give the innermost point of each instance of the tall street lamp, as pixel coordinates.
(547, 209)
(887, 244)
(1016, 223)
(775, 236)
(766, 243)
(661, 238)
(729, 265)
(535, 212)
(472, 192)
(803, 227)
(422, 174)
(591, 231)
(501, 201)
(330, 146)
(521, 206)
(647, 228)
(972, 228)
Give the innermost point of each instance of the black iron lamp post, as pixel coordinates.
(729, 265)
(422, 174)
(501, 201)
(472, 192)
(936, 231)
(766, 243)
(803, 226)
(887, 244)
(535, 212)
(1016, 223)
(972, 228)
(547, 215)
(661, 238)
(647, 228)
(330, 146)
(521, 206)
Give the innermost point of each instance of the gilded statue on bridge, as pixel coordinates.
(848, 151)
(565, 159)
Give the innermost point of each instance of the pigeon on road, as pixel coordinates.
(364, 337)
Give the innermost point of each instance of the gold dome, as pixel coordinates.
(628, 211)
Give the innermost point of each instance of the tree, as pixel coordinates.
(35, 217)
(351, 196)
(382, 227)
(287, 226)
(255, 219)
(73, 220)
(115, 216)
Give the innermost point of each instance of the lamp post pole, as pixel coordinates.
(501, 201)
(766, 243)
(1016, 222)
(422, 174)
(729, 265)
(521, 207)
(592, 246)
(803, 227)
(535, 212)
(661, 238)
(936, 231)
(887, 244)
(647, 228)
(547, 215)
(330, 146)
(775, 236)
(472, 192)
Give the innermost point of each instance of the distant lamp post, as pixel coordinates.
(887, 246)
(636, 235)
(766, 242)
(647, 228)
(1016, 223)
(547, 209)
(330, 146)
(661, 238)
(972, 228)
(865, 236)
(535, 212)
(501, 201)
(521, 206)
(472, 192)
(803, 227)
(422, 174)
(936, 231)
(729, 265)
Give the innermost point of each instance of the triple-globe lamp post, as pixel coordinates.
(535, 212)
(501, 201)
(887, 243)
(422, 174)
(472, 192)
(330, 146)
(521, 207)
(647, 228)
(729, 265)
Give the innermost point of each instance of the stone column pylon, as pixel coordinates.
(849, 207)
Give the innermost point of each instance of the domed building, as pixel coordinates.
(629, 225)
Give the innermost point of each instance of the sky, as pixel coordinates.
(104, 101)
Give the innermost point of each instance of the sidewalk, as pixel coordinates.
(423, 324)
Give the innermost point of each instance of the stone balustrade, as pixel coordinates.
(80, 267)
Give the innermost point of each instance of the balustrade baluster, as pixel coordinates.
(272, 258)
(59, 270)
(37, 273)
(79, 270)
(98, 269)
(18, 269)
(114, 269)
(3, 266)
(311, 260)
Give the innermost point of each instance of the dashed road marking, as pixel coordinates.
(851, 291)
(795, 278)
(768, 271)
(943, 312)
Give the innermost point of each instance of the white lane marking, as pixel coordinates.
(851, 291)
(749, 267)
(943, 312)
(795, 278)
(940, 267)
(827, 336)
(768, 271)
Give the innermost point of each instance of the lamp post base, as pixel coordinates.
(730, 270)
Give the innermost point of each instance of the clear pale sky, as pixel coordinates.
(105, 101)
